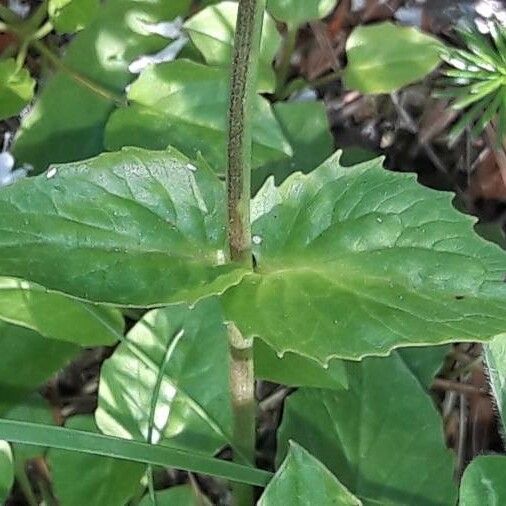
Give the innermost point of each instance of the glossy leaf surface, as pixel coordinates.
(483, 482)
(133, 228)
(384, 57)
(382, 437)
(96, 480)
(302, 480)
(67, 122)
(358, 261)
(212, 31)
(168, 382)
(185, 104)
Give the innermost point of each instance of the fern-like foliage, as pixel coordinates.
(476, 81)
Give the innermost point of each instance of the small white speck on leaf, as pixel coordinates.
(51, 172)
(191, 167)
(257, 240)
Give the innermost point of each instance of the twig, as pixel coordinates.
(455, 386)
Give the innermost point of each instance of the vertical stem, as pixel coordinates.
(242, 93)
(287, 50)
(242, 381)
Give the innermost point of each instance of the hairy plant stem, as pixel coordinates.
(242, 93)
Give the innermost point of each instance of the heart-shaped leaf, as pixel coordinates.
(212, 31)
(168, 381)
(185, 104)
(133, 228)
(382, 437)
(301, 480)
(357, 261)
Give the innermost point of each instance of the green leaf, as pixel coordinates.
(57, 316)
(33, 409)
(185, 104)
(168, 381)
(357, 261)
(107, 446)
(306, 127)
(132, 228)
(495, 357)
(385, 57)
(424, 362)
(382, 437)
(296, 12)
(302, 480)
(6, 471)
(16, 88)
(69, 16)
(182, 495)
(28, 360)
(484, 482)
(67, 122)
(212, 31)
(295, 370)
(78, 478)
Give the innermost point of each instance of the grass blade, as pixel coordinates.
(98, 444)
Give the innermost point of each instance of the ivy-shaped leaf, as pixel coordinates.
(301, 480)
(69, 16)
(357, 261)
(212, 31)
(484, 482)
(168, 382)
(6, 470)
(185, 104)
(296, 12)
(132, 228)
(79, 478)
(384, 57)
(67, 121)
(382, 438)
(16, 88)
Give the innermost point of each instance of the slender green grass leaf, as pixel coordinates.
(302, 480)
(107, 446)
